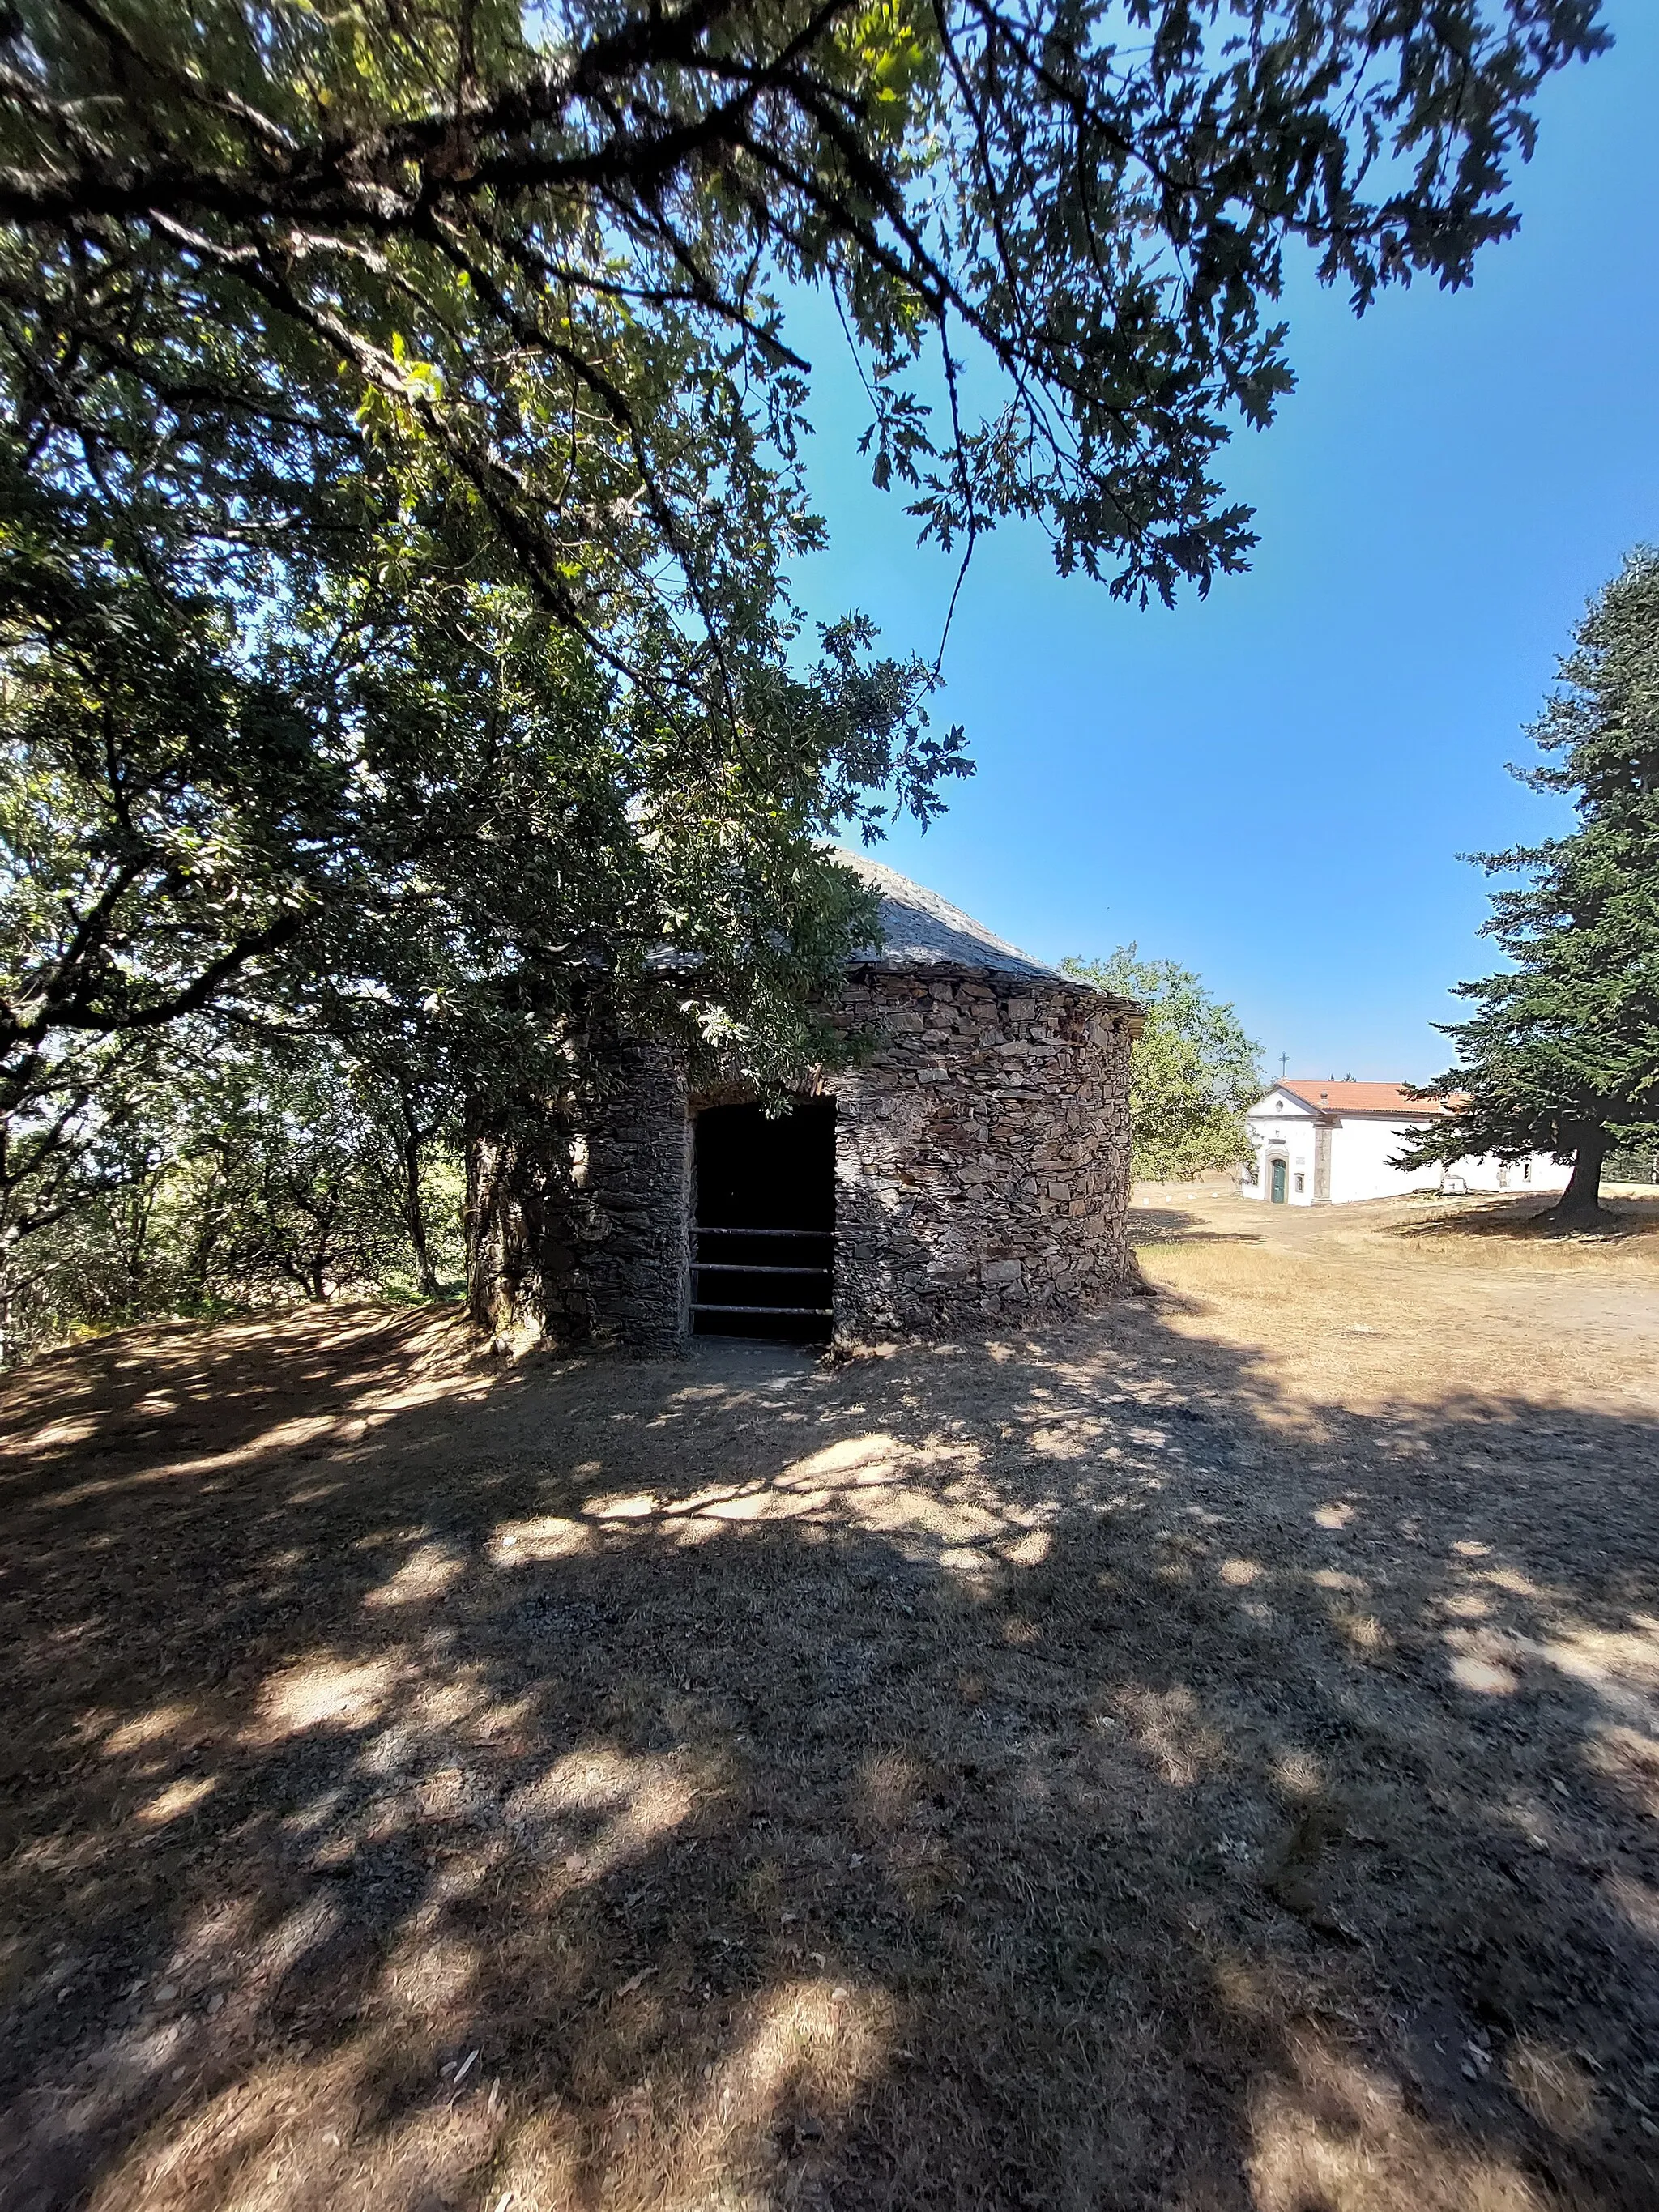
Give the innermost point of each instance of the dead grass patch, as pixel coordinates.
(1206, 1758)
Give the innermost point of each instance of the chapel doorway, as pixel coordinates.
(1276, 1182)
(762, 1250)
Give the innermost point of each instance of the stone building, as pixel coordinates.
(1334, 1144)
(973, 1168)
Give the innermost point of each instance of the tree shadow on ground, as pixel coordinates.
(1051, 1771)
(1175, 1225)
(1527, 1219)
(168, 1391)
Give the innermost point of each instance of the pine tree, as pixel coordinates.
(1562, 1053)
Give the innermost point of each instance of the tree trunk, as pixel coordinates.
(205, 1240)
(143, 1207)
(525, 1218)
(1579, 1205)
(426, 1279)
(201, 1257)
(314, 1266)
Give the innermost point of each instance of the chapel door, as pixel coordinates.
(1278, 1188)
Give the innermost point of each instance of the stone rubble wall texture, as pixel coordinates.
(982, 1174)
(636, 1276)
(981, 1154)
(583, 1237)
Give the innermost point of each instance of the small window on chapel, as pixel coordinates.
(1302, 1182)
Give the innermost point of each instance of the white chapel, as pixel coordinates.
(1329, 1143)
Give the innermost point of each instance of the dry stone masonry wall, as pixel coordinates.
(579, 1231)
(982, 1153)
(636, 1275)
(982, 1163)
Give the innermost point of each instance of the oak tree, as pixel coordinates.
(402, 415)
(1193, 1073)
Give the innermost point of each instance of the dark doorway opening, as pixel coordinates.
(762, 1258)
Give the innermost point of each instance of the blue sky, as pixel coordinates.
(1273, 786)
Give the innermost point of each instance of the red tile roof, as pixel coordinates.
(1362, 1098)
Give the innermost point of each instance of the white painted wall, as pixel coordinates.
(1345, 1161)
(1363, 1144)
(1360, 1146)
(1284, 1124)
(1541, 1172)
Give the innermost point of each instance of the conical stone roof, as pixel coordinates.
(920, 929)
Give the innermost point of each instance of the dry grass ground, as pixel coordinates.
(1205, 1757)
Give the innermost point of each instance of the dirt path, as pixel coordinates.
(1207, 1757)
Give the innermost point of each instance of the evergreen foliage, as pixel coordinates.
(1562, 1053)
(1193, 1075)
